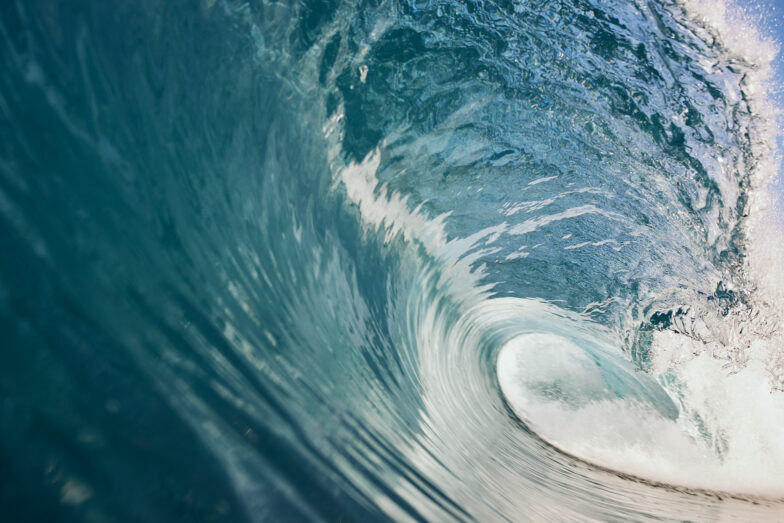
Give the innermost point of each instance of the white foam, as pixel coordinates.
(558, 390)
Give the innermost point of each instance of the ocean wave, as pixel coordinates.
(407, 260)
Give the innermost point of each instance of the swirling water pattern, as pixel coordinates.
(356, 261)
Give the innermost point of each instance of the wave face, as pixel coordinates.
(365, 260)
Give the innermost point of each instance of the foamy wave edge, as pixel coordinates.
(737, 30)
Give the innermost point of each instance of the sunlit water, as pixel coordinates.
(414, 260)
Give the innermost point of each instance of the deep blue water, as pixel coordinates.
(258, 261)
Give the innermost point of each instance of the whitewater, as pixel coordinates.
(382, 260)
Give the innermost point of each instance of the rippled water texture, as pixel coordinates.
(365, 260)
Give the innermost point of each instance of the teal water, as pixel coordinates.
(427, 260)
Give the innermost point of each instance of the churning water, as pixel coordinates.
(421, 260)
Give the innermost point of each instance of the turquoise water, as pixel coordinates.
(386, 260)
